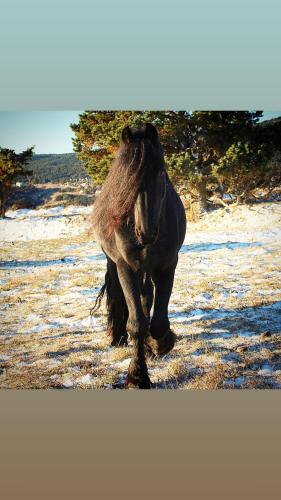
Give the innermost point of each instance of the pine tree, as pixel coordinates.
(97, 136)
(193, 142)
(12, 165)
(251, 163)
(210, 135)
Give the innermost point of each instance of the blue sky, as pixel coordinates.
(49, 131)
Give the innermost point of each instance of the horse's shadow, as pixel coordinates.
(36, 263)
(31, 196)
(209, 246)
(255, 321)
(245, 321)
(66, 352)
(46, 263)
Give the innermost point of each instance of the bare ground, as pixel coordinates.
(225, 307)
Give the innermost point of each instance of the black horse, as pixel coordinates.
(140, 223)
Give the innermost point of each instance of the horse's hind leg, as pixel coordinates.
(162, 339)
(116, 307)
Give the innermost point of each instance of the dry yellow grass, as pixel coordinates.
(223, 300)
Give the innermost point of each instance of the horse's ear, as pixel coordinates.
(127, 135)
(151, 133)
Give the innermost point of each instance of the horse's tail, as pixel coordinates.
(100, 295)
(117, 311)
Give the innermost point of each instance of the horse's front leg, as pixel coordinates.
(147, 295)
(137, 326)
(162, 339)
(116, 306)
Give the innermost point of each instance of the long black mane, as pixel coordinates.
(122, 185)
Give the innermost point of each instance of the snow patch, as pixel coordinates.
(39, 328)
(123, 365)
(85, 379)
(29, 224)
(203, 297)
(5, 357)
(266, 370)
(68, 382)
(237, 382)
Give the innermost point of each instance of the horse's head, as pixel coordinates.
(149, 202)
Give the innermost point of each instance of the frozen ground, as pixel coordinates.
(42, 224)
(225, 307)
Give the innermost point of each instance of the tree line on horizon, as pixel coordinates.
(207, 153)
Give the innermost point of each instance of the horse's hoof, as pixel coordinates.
(133, 382)
(163, 345)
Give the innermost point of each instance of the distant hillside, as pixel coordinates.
(56, 168)
(270, 123)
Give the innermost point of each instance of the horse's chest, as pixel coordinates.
(141, 259)
(146, 260)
